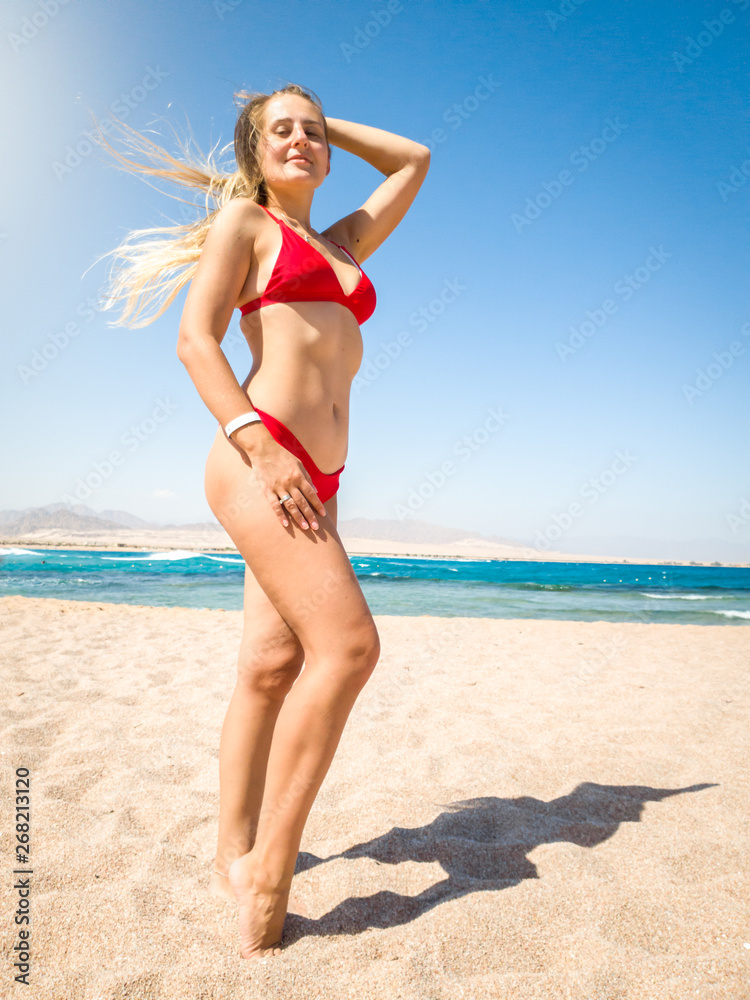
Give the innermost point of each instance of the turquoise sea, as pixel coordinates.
(700, 595)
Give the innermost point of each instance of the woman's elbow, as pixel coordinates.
(189, 333)
(181, 349)
(422, 156)
(186, 343)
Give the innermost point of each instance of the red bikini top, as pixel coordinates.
(302, 274)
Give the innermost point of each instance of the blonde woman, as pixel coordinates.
(302, 296)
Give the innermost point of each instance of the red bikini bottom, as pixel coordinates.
(326, 484)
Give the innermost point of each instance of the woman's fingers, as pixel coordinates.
(315, 500)
(299, 507)
(308, 514)
(302, 503)
(278, 508)
(294, 509)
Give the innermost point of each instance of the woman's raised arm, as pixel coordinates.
(405, 164)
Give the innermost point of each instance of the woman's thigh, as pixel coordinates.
(266, 636)
(299, 580)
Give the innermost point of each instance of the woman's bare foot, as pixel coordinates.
(262, 909)
(218, 885)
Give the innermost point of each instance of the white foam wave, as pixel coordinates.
(158, 556)
(226, 559)
(733, 614)
(11, 551)
(682, 597)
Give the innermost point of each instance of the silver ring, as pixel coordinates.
(285, 498)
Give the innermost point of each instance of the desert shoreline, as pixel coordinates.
(360, 547)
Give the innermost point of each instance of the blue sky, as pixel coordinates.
(576, 258)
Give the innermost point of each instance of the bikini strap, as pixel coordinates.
(348, 255)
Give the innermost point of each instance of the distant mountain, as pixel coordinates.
(119, 517)
(6, 516)
(80, 518)
(40, 520)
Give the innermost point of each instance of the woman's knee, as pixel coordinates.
(356, 653)
(269, 666)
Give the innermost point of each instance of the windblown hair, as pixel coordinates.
(151, 266)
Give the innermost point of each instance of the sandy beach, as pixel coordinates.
(517, 809)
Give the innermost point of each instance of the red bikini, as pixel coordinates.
(302, 274)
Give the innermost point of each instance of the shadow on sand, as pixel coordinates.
(482, 845)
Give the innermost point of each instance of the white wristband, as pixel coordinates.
(245, 418)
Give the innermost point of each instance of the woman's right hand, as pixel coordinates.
(279, 473)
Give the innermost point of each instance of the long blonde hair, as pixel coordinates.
(151, 266)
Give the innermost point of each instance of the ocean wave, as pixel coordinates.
(226, 559)
(682, 597)
(732, 614)
(158, 556)
(10, 551)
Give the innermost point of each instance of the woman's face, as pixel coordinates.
(295, 151)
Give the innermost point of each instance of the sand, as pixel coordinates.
(517, 809)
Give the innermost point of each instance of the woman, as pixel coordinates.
(302, 295)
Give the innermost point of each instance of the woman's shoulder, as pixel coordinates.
(240, 215)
